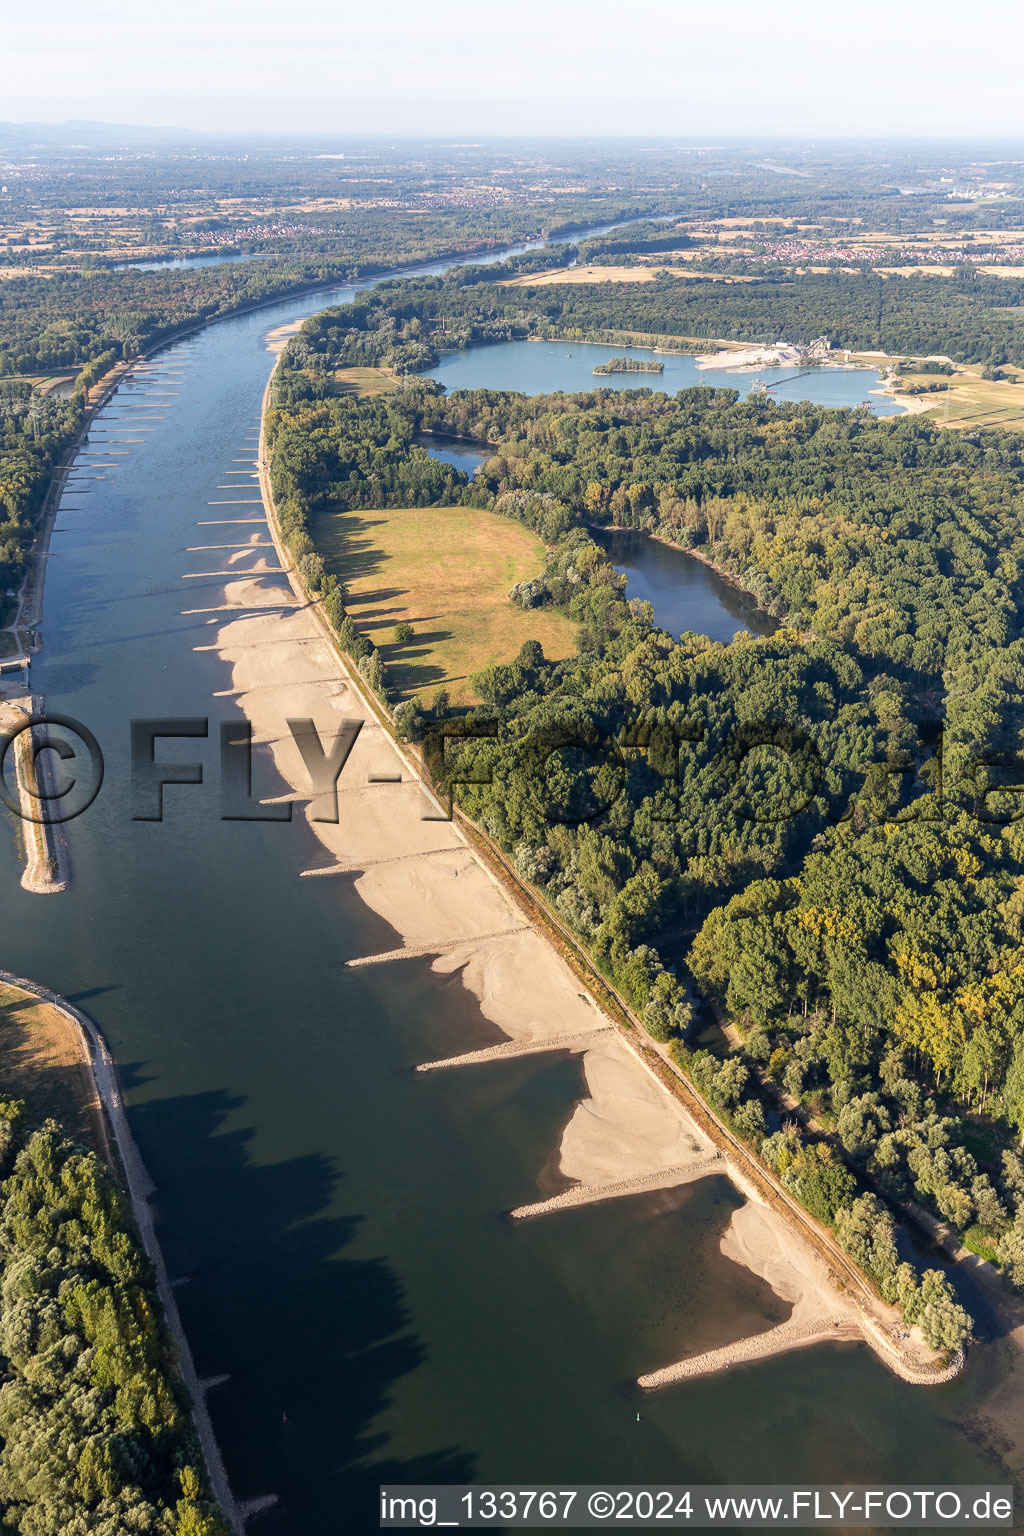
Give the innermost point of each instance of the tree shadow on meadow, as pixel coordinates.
(364, 608)
(347, 542)
(418, 677)
(312, 1339)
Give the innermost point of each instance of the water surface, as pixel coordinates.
(542, 367)
(685, 593)
(457, 451)
(181, 263)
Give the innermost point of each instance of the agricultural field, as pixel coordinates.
(447, 572)
(43, 383)
(637, 274)
(971, 401)
(364, 381)
(43, 1064)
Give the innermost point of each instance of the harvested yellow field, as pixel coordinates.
(446, 571)
(42, 1063)
(364, 381)
(972, 401)
(574, 275)
(921, 269)
(583, 275)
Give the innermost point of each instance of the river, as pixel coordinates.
(338, 1220)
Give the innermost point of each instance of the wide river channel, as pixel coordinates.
(337, 1220)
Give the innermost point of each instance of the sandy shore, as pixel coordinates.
(419, 875)
(912, 405)
(278, 338)
(820, 1313)
(739, 360)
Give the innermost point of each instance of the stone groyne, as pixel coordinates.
(47, 866)
(775, 1341)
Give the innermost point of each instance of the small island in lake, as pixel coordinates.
(629, 365)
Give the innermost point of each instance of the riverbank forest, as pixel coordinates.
(814, 835)
(968, 316)
(95, 1427)
(66, 317)
(35, 436)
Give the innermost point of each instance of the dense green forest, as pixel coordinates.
(35, 435)
(967, 316)
(95, 1427)
(642, 239)
(67, 319)
(815, 831)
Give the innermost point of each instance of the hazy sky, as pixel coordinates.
(533, 66)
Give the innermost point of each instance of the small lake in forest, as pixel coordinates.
(457, 451)
(183, 263)
(685, 593)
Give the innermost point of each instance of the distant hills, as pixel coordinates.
(92, 135)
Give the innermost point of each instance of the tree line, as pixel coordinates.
(969, 316)
(35, 437)
(95, 1426)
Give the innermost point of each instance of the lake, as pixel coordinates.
(542, 367)
(181, 263)
(685, 593)
(455, 451)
